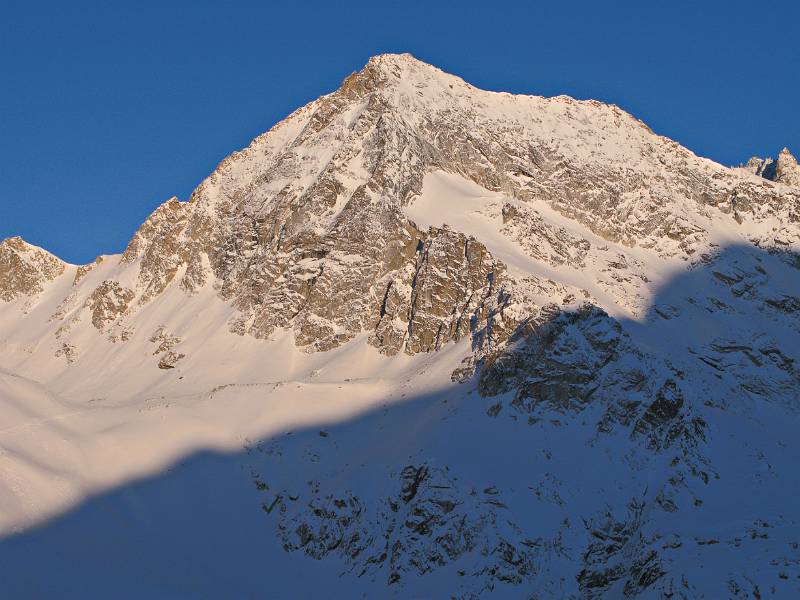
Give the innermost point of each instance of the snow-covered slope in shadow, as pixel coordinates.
(613, 457)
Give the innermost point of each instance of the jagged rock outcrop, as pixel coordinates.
(446, 294)
(108, 302)
(84, 270)
(575, 360)
(784, 169)
(431, 521)
(160, 250)
(24, 269)
(165, 348)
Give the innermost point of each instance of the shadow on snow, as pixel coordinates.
(196, 529)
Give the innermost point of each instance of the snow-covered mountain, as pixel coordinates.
(417, 340)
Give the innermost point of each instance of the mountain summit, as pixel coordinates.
(784, 169)
(577, 339)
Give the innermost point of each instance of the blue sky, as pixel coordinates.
(109, 108)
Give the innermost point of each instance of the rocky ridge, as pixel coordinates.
(784, 169)
(25, 269)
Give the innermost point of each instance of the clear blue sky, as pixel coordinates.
(108, 108)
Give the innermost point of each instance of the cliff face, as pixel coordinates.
(622, 308)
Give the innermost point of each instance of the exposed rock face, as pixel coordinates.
(24, 269)
(165, 348)
(83, 270)
(443, 296)
(428, 523)
(160, 250)
(784, 169)
(68, 352)
(569, 351)
(580, 359)
(108, 302)
(541, 240)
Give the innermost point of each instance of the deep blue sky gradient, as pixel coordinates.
(109, 108)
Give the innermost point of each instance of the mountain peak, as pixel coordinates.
(18, 244)
(395, 71)
(395, 58)
(15, 242)
(401, 64)
(784, 169)
(24, 268)
(786, 159)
